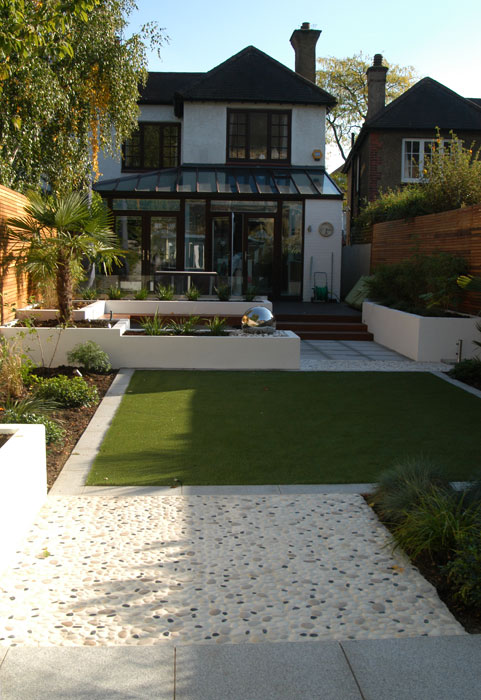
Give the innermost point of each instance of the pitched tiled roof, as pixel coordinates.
(161, 87)
(253, 76)
(426, 105)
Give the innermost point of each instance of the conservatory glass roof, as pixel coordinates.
(226, 180)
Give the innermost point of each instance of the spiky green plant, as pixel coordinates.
(56, 235)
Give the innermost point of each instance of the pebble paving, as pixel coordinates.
(146, 570)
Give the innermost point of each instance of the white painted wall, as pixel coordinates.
(308, 133)
(23, 484)
(111, 167)
(203, 132)
(205, 124)
(319, 251)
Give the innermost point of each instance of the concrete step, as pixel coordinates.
(334, 335)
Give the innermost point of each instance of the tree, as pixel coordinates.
(345, 78)
(29, 28)
(60, 107)
(56, 235)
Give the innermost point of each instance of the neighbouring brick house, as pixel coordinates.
(390, 149)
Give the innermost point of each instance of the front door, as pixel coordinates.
(243, 251)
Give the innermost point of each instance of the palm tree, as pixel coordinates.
(56, 235)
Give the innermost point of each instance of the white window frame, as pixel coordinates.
(406, 178)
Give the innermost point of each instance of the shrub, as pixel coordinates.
(33, 410)
(11, 378)
(153, 325)
(141, 294)
(88, 293)
(185, 326)
(418, 284)
(436, 523)
(115, 293)
(400, 488)
(464, 569)
(468, 371)
(193, 293)
(216, 325)
(223, 292)
(90, 356)
(166, 293)
(67, 392)
(404, 203)
(452, 179)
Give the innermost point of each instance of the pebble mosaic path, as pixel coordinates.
(146, 570)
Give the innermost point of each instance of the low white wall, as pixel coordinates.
(183, 308)
(424, 339)
(89, 312)
(164, 308)
(23, 484)
(50, 346)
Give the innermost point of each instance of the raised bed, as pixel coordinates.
(23, 484)
(50, 346)
(422, 338)
(148, 307)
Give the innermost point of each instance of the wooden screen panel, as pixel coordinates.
(457, 232)
(13, 288)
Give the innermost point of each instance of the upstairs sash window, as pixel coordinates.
(255, 135)
(152, 146)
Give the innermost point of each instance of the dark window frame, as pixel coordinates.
(269, 160)
(140, 131)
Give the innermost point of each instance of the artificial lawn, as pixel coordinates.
(285, 427)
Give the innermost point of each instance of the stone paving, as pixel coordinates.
(359, 356)
(147, 570)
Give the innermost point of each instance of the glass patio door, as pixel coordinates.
(163, 244)
(259, 253)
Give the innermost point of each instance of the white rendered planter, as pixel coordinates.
(23, 484)
(50, 346)
(180, 307)
(89, 312)
(421, 338)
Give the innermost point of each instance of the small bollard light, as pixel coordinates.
(78, 373)
(459, 354)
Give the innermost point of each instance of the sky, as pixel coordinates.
(438, 39)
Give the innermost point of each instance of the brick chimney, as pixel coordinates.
(376, 86)
(304, 42)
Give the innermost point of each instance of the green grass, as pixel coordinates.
(278, 427)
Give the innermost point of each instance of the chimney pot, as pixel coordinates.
(304, 42)
(376, 86)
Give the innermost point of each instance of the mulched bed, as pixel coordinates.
(73, 420)
(468, 616)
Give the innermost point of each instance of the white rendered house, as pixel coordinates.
(226, 174)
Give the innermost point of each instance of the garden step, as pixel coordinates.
(319, 326)
(334, 335)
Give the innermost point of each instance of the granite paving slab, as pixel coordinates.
(197, 569)
(435, 668)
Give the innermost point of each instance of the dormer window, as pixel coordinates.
(153, 146)
(258, 135)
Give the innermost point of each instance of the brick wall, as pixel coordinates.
(457, 232)
(13, 287)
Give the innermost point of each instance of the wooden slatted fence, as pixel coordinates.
(457, 232)
(13, 287)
